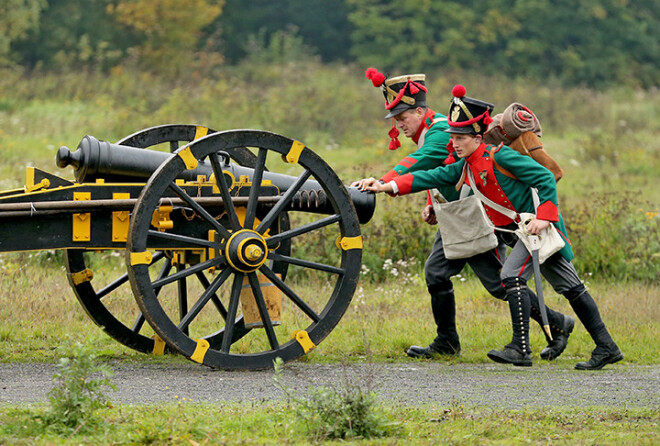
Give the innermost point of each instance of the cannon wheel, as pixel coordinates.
(92, 300)
(242, 252)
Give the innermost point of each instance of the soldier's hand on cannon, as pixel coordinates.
(428, 215)
(364, 183)
(377, 186)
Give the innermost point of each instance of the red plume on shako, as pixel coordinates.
(468, 115)
(401, 93)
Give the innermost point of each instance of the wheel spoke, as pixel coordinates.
(290, 293)
(263, 310)
(309, 227)
(251, 211)
(306, 263)
(231, 314)
(216, 261)
(112, 286)
(204, 298)
(124, 278)
(174, 145)
(183, 296)
(224, 191)
(200, 210)
(181, 238)
(164, 271)
(216, 300)
(284, 201)
(138, 324)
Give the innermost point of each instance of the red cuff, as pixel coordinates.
(429, 200)
(404, 183)
(547, 211)
(389, 176)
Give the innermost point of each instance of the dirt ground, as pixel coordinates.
(409, 383)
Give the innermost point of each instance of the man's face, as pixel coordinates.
(409, 121)
(464, 144)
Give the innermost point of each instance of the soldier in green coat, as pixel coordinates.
(405, 101)
(467, 120)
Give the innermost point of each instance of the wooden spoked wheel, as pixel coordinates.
(112, 305)
(240, 245)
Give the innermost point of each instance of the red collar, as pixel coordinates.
(427, 122)
(477, 154)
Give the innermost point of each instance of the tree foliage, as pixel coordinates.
(170, 28)
(16, 18)
(592, 42)
(596, 43)
(73, 34)
(322, 24)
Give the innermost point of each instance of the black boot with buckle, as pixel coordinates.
(561, 327)
(518, 351)
(606, 351)
(444, 313)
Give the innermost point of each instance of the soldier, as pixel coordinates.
(405, 98)
(488, 164)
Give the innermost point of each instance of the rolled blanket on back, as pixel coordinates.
(510, 124)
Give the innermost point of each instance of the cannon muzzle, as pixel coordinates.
(94, 159)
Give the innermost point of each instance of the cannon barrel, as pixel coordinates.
(95, 159)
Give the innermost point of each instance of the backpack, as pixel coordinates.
(519, 128)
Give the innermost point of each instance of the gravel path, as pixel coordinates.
(486, 385)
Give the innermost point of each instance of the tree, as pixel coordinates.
(592, 42)
(416, 36)
(16, 18)
(171, 28)
(73, 34)
(322, 24)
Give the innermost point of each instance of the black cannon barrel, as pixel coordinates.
(94, 159)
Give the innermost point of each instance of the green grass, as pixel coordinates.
(605, 142)
(383, 320)
(609, 194)
(186, 422)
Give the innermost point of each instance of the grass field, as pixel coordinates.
(606, 142)
(263, 424)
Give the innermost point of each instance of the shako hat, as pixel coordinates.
(401, 93)
(468, 115)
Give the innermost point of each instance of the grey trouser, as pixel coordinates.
(559, 272)
(438, 269)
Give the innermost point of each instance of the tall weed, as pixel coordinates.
(79, 390)
(348, 410)
(617, 236)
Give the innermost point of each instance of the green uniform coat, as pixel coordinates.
(511, 193)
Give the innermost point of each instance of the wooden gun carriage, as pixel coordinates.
(208, 234)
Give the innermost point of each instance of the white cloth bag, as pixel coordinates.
(464, 226)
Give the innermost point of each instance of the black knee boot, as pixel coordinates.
(606, 351)
(518, 351)
(444, 314)
(561, 327)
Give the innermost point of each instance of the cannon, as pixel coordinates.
(209, 226)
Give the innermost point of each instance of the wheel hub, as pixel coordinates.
(246, 250)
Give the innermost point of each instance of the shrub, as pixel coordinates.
(346, 411)
(616, 236)
(77, 393)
